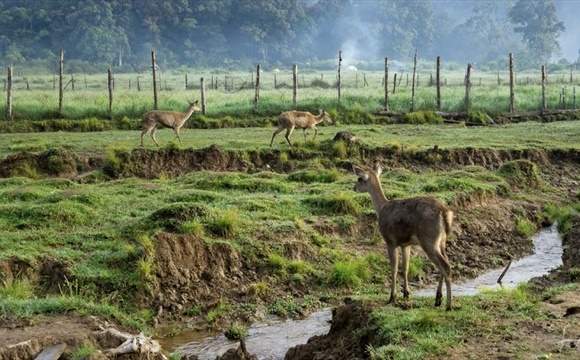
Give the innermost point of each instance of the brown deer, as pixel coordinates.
(170, 119)
(304, 120)
(425, 221)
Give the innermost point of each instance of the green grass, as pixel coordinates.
(525, 227)
(423, 331)
(563, 134)
(91, 101)
(236, 332)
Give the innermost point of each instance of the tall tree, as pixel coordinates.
(538, 23)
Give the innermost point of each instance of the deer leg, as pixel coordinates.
(279, 130)
(442, 264)
(143, 132)
(315, 133)
(439, 293)
(406, 257)
(153, 136)
(288, 133)
(176, 130)
(394, 259)
(304, 133)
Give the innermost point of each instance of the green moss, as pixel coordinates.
(525, 227)
(521, 173)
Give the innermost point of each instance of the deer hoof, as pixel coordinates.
(405, 294)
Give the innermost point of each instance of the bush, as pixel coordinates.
(422, 117)
(525, 227)
(478, 117)
(173, 216)
(236, 332)
(225, 224)
(192, 227)
(349, 273)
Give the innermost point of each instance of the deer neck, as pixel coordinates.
(187, 114)
(318, 119)
(377, 196)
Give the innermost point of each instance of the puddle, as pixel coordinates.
(271, 340)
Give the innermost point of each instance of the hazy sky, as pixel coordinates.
(569, 13)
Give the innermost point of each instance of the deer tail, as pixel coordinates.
(448, 221)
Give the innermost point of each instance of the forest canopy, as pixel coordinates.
(235, 33)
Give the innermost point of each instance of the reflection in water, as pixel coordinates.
(272, 340)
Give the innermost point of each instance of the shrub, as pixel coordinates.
(225, 224)
(173, 216)
(340, 149)
(422, 117)
(525, 227)
(349, 273)
(299, 267)
(478, 117)
(236, 332)
(192, 227)
(17, 289)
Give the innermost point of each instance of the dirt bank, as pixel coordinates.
(146, 163)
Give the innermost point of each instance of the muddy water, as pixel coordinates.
(270, 340)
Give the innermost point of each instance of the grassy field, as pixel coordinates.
(91, 100)
(565, 134)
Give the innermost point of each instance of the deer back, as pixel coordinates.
(299, 119)
(164, 118)
(406, 221)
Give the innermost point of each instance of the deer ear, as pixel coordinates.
(358, 171)
(196, 102)
(378, 169)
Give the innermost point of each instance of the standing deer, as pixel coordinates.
(421, 220)
(304, 120)
(170, 119)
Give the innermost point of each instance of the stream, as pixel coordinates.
(270, 340)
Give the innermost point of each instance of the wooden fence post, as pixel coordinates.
(60, 71)
(356, 79)
(467, 87)
(498, 79)
(386, 84)
(202, 89)
(186, 82)
(413, 82)
(571, 76)
(395, 84)
(138, 83)
(512, 95)
(9, 93)
(257, 93)
(365, 82)
(275, 81)
(129, 84)
(543, 80)
(294, 84)
(574, 97)
(110, 87)
(53, 81)
(72, 82)
(338, 74)
(154, 70)
(438, 82)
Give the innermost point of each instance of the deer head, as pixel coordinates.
(193, 106)
(367, 179)
(325, 117)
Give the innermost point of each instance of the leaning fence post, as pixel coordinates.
(395, 84)
(110, 87)
(257, 93)
(9, 93)
(154, 70)
(467, 87)
(60, 71)
(413, 82)
(202, 89)
(294, 84)
(186, 82)
(438, 82)
(512, 95)
(386, 84)
(338, 84)
(543, 81)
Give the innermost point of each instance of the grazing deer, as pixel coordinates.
(171, 119)
(304, 120)
(425, 221)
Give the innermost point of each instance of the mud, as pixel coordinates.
(348, 338)
(146, 163)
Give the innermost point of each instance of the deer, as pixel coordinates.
(170, 119)
(423, 221)
(304, 120)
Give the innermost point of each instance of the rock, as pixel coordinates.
(572, 311)
(51, 353)
(241, 353)
(22, 351)
(123, 343)
(345, 136)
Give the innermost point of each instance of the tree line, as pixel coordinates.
(235, 33)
